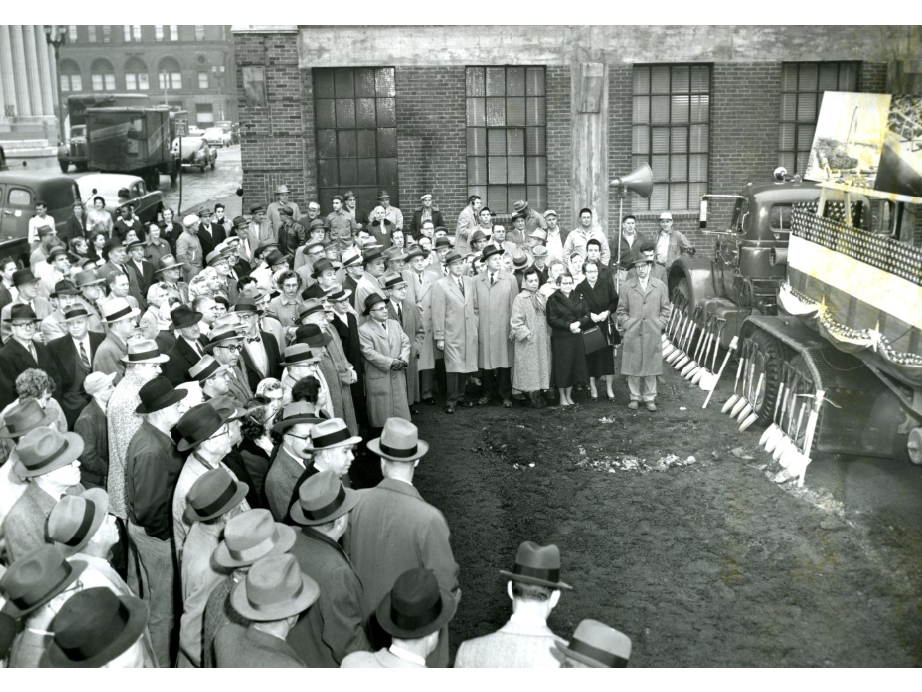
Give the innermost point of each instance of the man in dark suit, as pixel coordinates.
(210, 235)
(75, 226)
(140, 273)
(7, 287)
(189, 348)
(73, 357)
(21, 353)
(261, 355)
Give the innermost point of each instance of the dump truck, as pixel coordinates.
(74, 150)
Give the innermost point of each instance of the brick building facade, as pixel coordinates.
(711, 108)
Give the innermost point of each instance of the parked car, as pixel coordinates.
(3, 165)
(19, 191)
(195, 131)
(195, 152)
(148, 203)
(217, 137)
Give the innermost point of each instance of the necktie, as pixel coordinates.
(461, 285)
(32, 351)
(399, 314)
(492, 279)
(83, 356)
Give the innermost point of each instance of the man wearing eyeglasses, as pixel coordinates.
(21, 353)
(225, 346)
(670, 243)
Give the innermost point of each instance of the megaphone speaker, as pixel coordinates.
(638, 181)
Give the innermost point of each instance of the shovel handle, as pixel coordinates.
(730, 350)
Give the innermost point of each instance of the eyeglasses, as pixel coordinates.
(232, 348)
(383, 308)
(300, 437)
(25, 325)
(220, 433)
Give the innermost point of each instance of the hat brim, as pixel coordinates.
(192, 516)
(134, 313)
(189, 321)
(283, 425)
(310, 592)
(383, 614)
(161, 359)
(99, 498)
(185, 445)
(422, 448)
(178, 265)
(287, 537)
(73, 448)
(298, 517)
(138, 614)
(46, 421)
(77, 567)
(177, 395)
(354, 440)
(90, 283)
(577, 656)
(77, 317)
(536, 581)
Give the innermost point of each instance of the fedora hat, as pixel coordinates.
(240, 222)
(157, 394)
(297, 412)
(321, 266)
(416, 252)
(394, 254)
(537, 564)
(65, 288)
(144, 351)
(25, 416)
(539, 251)
(478, 235)
(36, 578)
(309, 307)
(322, 498)
(538, 233)
(597, 645)
(274, 257)
(371, 300)
(299, 354)
(372, 254)
(256, 208)
(452, 257)
(443, 242)
(135, 245)
(96, 382)
(117, 309)
(169, 262)
(416, 606)
(275, 588)
(332, 433)
(184, 316)
(93, 627)
(215, 257)
(491, 250)
(352, 257)
(281, 190)
(225, 334)
(23, 276)
(337, 293)
(246, 303)
(519, 259)
(213, 495)
(43, 450)
(44, 230)
(399, 441)
(198, 424)
(519, 205)
(21, 311)
(55, 253)
(382, 194)
(205, 368)
(76, 519)
(394, 280)
(639, 258)
(313, 336)
(87, 277)
(227, 407)
(75, 313)
(250, 536)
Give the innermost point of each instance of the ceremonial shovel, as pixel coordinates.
(744, 360)
(747, 383)
(669, 346)
(787, 409)
(683, 338)
(703, 336)
(709, 381)
(706, 375)
(770, 430)
(790, 453)
(793, 431)
(694, 374)
(748, 416)
(678, 360)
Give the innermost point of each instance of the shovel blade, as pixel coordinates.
(750, 419)
(728, 404)
(769, 431)
(738, 406)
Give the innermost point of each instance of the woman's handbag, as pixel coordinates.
(593, 340)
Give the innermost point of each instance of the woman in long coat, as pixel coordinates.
(642, 315)
(603, 301)
(568, 315)
(531, 370)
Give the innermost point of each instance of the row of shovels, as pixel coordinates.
(689, 355)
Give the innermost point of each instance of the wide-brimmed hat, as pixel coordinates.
(240, 222)
(214, 494)
(639, 258)
(394, 254)
(65, 288)
(274, 257)
(229, 333)
(299, 354)
(317, 223)
(95, 626)
(23, 276)
(416, 606)
(42, 231)
(338, 293)
(322, 499)
(537, 564)
(332, 433)
(352, 257)
(399, 441)
(382, 194)
(116, 309)
(478, 235)
(43, 450)
(206, 367)
(250, 536)
(539, 251)
(371, 300)
(36, 578)
(215, 257)
(372, 254)
(321, 266)
(442, 242)
(491, 250)
(21, 311)
(75, 313)
(246, 302)
(143, 352)
(169, 262)
(538, 233)
(134, 245)
(25, 416)
(184, 316)
(519, 205)
(597, 645)
(519, 259)
(313, 336)
(416, 252)
(281, 190)
(295, 413)
(309, 307)
(87, 277)
(97, 381)
(157, 394)
(452, 257)
(75, 519)
(198, 424)
(275, 588)
(394, 280)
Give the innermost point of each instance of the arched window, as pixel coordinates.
(170, 74)
(103, 75)
(136, 75)
(70, 76)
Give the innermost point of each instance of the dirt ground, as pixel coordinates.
(706, 562)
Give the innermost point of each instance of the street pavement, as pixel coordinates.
(207, 189)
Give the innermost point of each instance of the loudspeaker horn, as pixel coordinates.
(639, 181)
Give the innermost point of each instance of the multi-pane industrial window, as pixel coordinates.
(158, 32)
(174, 32)
(506, 152)
(199, 32)
(356, 124)
(671, 133)
(70, 76)
(107, 33)
(132, 32)
(802, 88)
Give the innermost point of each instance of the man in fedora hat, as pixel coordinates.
(21, 418)
(337, 370)
(394, 529)
(225, 345)
(27, 286)
(644, 301)
(170, 273)
(420, 282)
(260, 231)
(405, 313)
(467, 223)
(96, 628)
(657, 271)
(121, 320)
(334, 627)
(274, 210)
(454, 328)
(533, 218)
(415, 613)
(324, 272)
(189, 248)
(494, 292)
(246, 260)
(293, 458)
(48, 460)
(56, 268)
(21, 353)
(143, 363)
(91, 291)
(189, 348)
(525, 641)
(595, 645)
(260, 354)
(92, 425)
(140, 272)
(353, 270)
(210, 498)
(579, 236)
(273, 596)
(64, 296)
(385, 353)
(209, 235)
(248, 537)
(392, 214)
(374, 264)
(312, 252)
(211, 377)
(73, 357)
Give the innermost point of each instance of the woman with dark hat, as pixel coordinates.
(600, 295)
(568, 315)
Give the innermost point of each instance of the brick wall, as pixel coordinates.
(432, 139)
(620, 119)
(557, 106)
(872, 77)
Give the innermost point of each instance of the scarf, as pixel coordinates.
(537, 298)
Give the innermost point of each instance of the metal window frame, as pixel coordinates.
(798, 166)
(688, 154)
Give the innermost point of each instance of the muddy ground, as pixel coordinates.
(707, 563)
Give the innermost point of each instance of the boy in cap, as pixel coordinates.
(671, 243)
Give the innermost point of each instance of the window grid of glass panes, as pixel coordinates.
(671, 132)
(802, 88)
(356, 124)
(506, 138)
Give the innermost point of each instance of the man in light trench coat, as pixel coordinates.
(454, 328)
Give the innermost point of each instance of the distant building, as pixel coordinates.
(28, 98)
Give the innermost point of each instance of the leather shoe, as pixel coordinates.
(634, 405)
(483, 401)
(414, 410)
(507, 403)
(651, 406)
(429, 401)
(449, 409)
(466, 404)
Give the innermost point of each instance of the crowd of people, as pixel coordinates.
(182, 404)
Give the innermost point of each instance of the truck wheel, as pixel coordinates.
(65, 165)
(768, 354)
